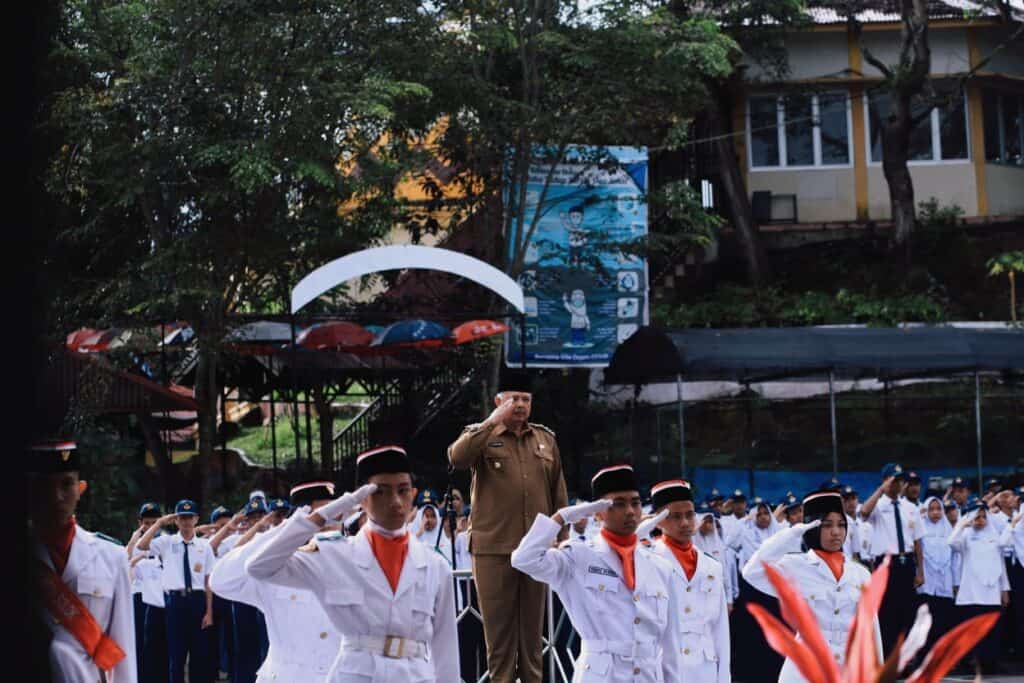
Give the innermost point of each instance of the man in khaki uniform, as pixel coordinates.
(517, 474)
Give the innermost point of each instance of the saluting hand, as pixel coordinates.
(500, 414)
(806, 526)
(644, 529)
(575, 513)
(340, 507)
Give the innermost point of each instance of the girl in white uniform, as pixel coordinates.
(710, 538)
(829, 581)
(937, 589)
(983, 585)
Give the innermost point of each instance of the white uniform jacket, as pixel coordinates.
(834, 602)
(303, 641)
(626, 635)
(97, 570)
(1013, 537)
(704, 619)
(983, 576)
(419, 617)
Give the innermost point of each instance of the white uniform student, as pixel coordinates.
(701, 586)
(303, 641)
(709, 539)
(937, 589)
(829, 581)
(391, 599)
(84, 589)
(620, 597)
(983, 584)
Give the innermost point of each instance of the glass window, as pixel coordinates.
(990, 114)
(835, 141)
(1011, 129)
(799, 115)
(764, 135)
(920, 136)
(953, 129)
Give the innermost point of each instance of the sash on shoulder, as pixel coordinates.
(68, 610)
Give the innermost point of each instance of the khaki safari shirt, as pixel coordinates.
(515, 477)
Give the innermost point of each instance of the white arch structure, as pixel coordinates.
(401, 257)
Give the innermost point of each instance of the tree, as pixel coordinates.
(1008, 263)
(523, 81)
(207, 144)
(759, 29)
(912, 97)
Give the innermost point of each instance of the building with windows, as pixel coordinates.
(810, 147)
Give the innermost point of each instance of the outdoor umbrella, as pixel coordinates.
(260, 338)
(103, 340)
(335, 334)
(422, 333)
(79, 337)
(477, 329)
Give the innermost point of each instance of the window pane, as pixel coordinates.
(835, 146)
(921, 136)
(1011, 130)
(990, 114)
(799, 131)
(764, 136)
(878, 109)
(953, 130)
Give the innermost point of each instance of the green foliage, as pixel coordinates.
(1005, 263)
(737, 306)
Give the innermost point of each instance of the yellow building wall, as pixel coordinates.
(950, 183)
(822, 194)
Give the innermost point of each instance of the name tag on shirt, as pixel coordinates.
(602, 571)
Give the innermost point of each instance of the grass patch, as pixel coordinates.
(257, 445)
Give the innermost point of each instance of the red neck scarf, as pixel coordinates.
(623, 547)
(58, 544)
(390, 554)
(686, 554)
(835, 561)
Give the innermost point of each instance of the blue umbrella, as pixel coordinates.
(413, 333)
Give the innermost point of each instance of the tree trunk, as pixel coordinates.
(739, 201)
(895, 151)
(325, 419)
(171, 480)
(206, 397)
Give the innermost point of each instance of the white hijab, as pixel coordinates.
(712, 544)
(982, 559)
(752, 536)
(937, 553)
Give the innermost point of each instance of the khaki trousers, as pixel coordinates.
(512, 605)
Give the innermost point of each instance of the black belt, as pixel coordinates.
(184, 591)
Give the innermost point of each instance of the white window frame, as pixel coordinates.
(936, 135)
(1001, 124)
(780, 131)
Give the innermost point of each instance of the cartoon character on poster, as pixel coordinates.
(579, 321)
(572, 220)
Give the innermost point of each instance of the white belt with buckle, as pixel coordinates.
(392, 647)
(627, 649)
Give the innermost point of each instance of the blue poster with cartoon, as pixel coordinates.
(584, 280)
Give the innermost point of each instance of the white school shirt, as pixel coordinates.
(626, 635)
(852, 545)
(150, 578)
(1013, 537)
(983, 576)
(303, 641)
(351, 587)
(97, 570)
(999, 521)
(938, 559)
(884, 540)
(834, 602)
(704, 622)
(171, 551)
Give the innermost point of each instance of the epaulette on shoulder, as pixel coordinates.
(334, 535)
(565, 545)
(310, 547)
(109, 539)
(547, 429)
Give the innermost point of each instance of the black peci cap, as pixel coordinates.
(614, 478)
(383, 460)
(516, 380)
(308, 491)
(51, 457)
(670, 491)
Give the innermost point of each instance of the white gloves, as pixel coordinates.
(805, 526)
(645, 527)
(575, 513)
(341, 506)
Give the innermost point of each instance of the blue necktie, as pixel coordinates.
(899, 527)
(188, 570)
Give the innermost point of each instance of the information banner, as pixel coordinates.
(584, 282)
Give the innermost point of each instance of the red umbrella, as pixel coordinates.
(477, 329)
(334, 334)
(99, 341)
(79, 336)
